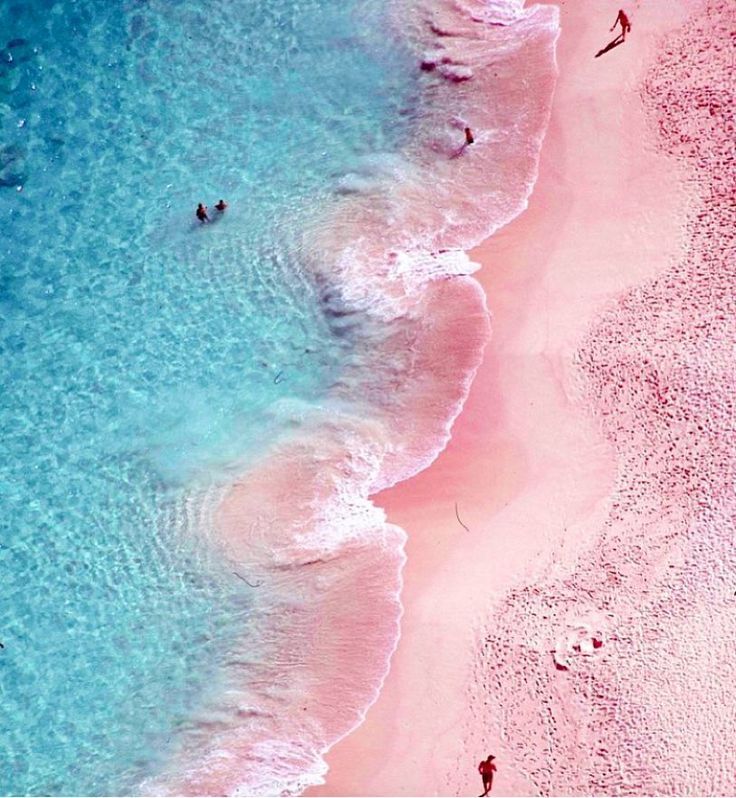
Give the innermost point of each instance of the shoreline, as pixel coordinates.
(386, 254)
(523, 448)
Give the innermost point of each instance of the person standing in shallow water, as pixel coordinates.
(202, 213)
(486, 770)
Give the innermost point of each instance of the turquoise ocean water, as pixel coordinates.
(142, 353)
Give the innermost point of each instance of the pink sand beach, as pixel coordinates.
(568, 588)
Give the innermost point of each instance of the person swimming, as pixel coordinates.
(202, 213)
(221, 205)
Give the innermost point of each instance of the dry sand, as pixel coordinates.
(528, 470)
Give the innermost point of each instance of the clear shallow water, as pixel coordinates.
(142, 354)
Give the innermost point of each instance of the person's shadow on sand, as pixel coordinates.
(614, 43)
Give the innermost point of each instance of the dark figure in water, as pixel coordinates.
(202, 213)
(625, 24)
(469, 137)
(221, 205)
(486, 770)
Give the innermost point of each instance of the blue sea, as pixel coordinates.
(145, 356)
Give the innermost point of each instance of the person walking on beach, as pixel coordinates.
(202, 213)
(486, 770)
(469, 137)
(623, 20)
(625, 24)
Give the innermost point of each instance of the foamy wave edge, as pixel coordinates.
(389, 255)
